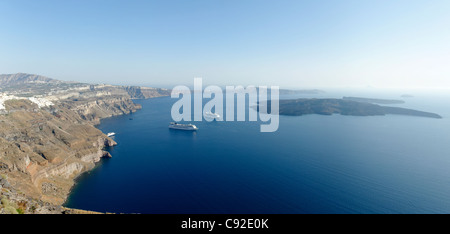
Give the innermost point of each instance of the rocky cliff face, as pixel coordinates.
(144, 92)
(95, 109)
(43, 149)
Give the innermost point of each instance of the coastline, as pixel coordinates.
(83, 173)
(69, 210)
(49, 187)
(44, 149)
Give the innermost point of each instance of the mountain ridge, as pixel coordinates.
(20, 78)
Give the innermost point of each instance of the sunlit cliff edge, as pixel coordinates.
(48, 136)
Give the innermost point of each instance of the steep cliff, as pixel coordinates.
(145, 92)
(44, 148)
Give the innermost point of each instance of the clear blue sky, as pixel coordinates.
(314, 43)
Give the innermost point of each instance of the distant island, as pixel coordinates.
(297, 91)
(48, 136)
(407, 96)
(374, 100)
(300, 91)
(298, 107)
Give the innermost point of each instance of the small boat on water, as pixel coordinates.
(186, 127)
(111, 134)
(210, 115)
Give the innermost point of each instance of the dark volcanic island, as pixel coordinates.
(298, 107)
(48, 137)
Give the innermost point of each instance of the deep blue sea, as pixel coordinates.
(312, 164)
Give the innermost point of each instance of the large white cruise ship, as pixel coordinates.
(187, 127)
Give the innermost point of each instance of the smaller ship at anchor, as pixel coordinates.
(186, 127)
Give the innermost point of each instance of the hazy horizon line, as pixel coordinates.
(285, 87)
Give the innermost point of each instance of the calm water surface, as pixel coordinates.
(312, 164)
